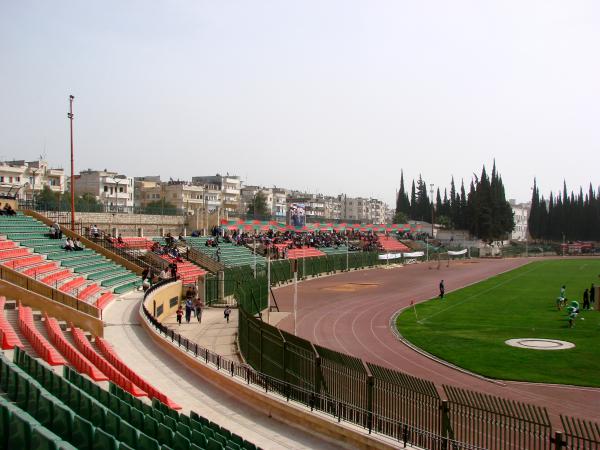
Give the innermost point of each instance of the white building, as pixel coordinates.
(275, 198)
(229, 187)
(521, 216)
(367, 210)
(26, 179)
(109, 188)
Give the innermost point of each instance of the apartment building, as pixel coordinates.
(109, 188)
(229, 187)
(521, 216)
(26, 179)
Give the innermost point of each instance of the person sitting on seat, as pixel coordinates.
(120, 240)
(94, 232)
(69, 246)
(77, 245)
(9, 211)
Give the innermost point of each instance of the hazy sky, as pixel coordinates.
(327, 96)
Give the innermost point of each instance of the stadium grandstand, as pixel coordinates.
(90, 360)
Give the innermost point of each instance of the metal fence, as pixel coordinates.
(398, 405)
(64, 207)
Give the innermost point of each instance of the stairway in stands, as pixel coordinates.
(25, 246)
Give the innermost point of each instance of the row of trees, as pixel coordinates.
(484, 211)
(565, 216)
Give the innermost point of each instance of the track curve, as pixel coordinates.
(357, 322)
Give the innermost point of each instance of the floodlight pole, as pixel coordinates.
(347, 250)
(268, 286)
(296, 300)
(70, 116)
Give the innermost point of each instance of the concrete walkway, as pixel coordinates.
(212, 333)
(137, 350)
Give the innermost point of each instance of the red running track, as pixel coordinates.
(355, 319)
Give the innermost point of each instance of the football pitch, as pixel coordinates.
(469, 326)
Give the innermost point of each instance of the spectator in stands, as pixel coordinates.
(94, 232)
(227, 312)
(120, 240)
(8, 211)
(52, 233)
(69, 246)
(145, 284)
(179, 314)
(164, 274)
(77, 245)
(57, 231)
(181, 238)
(173, 267)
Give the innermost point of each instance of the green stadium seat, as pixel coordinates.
(147, 443)
(44, 439)
(111, 423)
(214, 445)
(98, 415)
(128, 434)
(137, 418)
(150, 426)
(124, 410)
(104, 441)
(184, 430)
(180, 442)
(44, 409)
(198, 438)
(164, 435)
(82, 435)
(21, 426)
(62, 421)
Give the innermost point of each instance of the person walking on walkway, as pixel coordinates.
(227, 312)
(188, 310)
(179, 314)
(442, 289)
(198, 307)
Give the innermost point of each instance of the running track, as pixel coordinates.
(358, 323)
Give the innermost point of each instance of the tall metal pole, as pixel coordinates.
(254, 248)
(268, 286)
(70, 116)
(432, 203)
(295, 302)
(347, 249)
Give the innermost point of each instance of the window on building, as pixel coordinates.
(18, 179)
(105, 188)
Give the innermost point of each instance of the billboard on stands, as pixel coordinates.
(297, 214)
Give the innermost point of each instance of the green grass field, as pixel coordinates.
(468, 328)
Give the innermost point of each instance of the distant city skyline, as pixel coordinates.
(329, 97)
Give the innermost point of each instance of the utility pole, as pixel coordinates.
(70, 116)
(432, 203)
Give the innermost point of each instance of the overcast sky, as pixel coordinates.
(326, 96)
